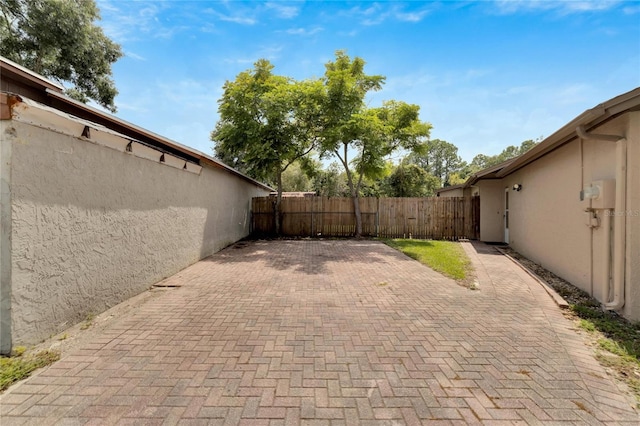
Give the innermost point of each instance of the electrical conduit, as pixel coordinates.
(619, 249)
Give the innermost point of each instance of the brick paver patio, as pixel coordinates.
(329, 332)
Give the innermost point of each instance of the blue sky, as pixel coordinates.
(486, 74)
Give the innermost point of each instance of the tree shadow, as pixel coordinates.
(308, 256)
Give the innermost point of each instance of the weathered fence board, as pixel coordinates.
(449, 218)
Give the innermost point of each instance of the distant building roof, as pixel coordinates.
(450, 188)
(294, 194)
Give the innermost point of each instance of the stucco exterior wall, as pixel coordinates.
(547, 218)
(548, 222)
(491, 210)
(93, 226)
(632, 288)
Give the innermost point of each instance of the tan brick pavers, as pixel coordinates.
(329, 332)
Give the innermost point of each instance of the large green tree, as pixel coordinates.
(60, 40)
(440, 159)
(295, 179)
(361, 138)
(267, 122)
(410, 180)
(331, 182)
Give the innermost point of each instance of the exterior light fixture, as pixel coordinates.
(517, 187)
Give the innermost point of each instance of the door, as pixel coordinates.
(506, 215)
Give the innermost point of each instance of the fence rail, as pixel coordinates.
(444, 218)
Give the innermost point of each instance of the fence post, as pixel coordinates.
(378, 217)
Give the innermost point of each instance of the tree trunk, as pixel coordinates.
(356, 206)
(354, 191)
(278, 212)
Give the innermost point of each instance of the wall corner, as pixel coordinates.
(5, 237)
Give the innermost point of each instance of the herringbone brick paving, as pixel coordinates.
(329, 332)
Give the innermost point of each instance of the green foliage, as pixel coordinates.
(13, 369)
(409, 180)
(440, 159)
(296, 179)
(331, 182)
(482, 161)
(60, 40)
(266, 121)
(370, 134)
(446, 257)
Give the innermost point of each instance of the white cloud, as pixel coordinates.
(135, 56)
(351, 33)
(125, 21)
(304, 31)
(237, 19)
(411, 16)
(562, 7)
(282, 10)
(574, 94)
(378, 13)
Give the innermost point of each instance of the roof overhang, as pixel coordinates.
(26, 76)
(488, 173)
(33, 112)
(53, 96)
(590, 119)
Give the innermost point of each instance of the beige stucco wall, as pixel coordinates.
(491, 210)
(547, 219)
(93, 226)
(632, 289)
(548, 223)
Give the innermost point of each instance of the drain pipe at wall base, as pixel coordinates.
(606, 275)
(619, 249)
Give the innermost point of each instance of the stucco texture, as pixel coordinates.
(93, 226)
(548, 221)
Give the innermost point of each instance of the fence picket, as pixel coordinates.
(449, 218)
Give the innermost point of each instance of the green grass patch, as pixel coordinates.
(446, 257)
(622, 334)
(20, 365)
(617, 341)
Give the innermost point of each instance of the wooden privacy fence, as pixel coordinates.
(441, 218)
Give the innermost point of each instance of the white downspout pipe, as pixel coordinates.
(619, 249)
(606, 275)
